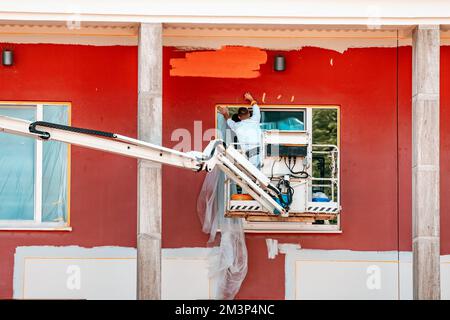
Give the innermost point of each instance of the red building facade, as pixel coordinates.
(371, 85)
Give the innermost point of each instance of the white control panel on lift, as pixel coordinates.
(297, 138)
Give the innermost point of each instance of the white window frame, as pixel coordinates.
(294, 227)
(37, 223)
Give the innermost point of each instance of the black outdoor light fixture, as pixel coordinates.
(7, 57)
(279, 63)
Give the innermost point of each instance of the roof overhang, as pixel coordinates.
(282, 24)
(280, 12)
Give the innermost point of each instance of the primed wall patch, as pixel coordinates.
(227, 62)
(72, 272)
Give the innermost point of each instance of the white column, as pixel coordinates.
(425, 164)
(149, 174)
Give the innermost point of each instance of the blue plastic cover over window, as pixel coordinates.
(54, 170)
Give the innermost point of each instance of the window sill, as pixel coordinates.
(30, 226)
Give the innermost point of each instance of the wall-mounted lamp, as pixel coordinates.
(7, 57)
(279, 63)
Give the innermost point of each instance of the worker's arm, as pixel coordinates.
(224, 111)
(256, 116)
(256, 113)
(231, 124)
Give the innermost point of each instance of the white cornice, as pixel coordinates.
(189, 36)
(200, 36)
(171, 30)
(198, 30)
(69, 28)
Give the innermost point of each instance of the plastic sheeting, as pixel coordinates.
(55, 166)
(229, 265)
(287, 124)
(290, 123)
(17, 169)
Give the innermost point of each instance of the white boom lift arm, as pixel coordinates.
(227, 159)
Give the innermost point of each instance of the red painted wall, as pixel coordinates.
(101, 84)
(445, 149)
(375, 100)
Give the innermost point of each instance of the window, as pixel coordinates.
(282, 119)
(34, 175)
(308, 141)
(324, 133)
(324, 160)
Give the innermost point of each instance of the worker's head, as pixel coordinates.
(235, 118)
(243, 113)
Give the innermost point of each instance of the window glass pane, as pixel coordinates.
(17, 157)
(55, 166)
(324, 126)
(282, 120)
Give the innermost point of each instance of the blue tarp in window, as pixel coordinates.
(283, 120)
(54, 175)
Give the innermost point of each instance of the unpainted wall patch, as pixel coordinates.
(227, 62)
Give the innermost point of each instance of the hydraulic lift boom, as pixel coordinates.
(227, 159)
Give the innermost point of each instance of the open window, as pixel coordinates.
(300, 154)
